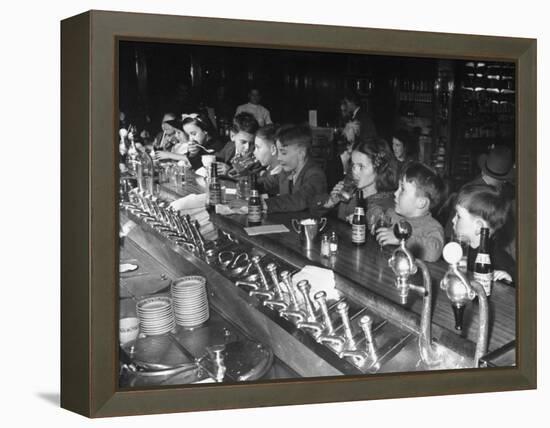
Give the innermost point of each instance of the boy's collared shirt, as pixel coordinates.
(427, 239)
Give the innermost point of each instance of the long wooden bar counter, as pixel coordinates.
(363, 272)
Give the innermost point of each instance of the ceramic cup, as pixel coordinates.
(128, 329)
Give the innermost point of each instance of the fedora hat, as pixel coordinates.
(498, 163)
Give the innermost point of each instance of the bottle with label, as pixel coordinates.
(483, 268)
(254, 208)
(358, 227)
(214, 189)
(253, 182)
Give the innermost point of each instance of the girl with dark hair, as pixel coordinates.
(372, 172)
(201, 137)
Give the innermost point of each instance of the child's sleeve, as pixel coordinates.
(427, 245)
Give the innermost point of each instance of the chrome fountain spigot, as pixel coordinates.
(264, 291)
(216, 355)
(278, 300)
(370, 346)
(328, 336)
(311, 322)
(460, 291)
(402, 261)
(350, 346)
(293, 311)
(404, 265)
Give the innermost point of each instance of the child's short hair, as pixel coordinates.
(245, 122)
(485, 201)
(295, 135)
(268, 133)
(427, 182)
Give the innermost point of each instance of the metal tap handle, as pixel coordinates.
(272, 269)
(321, 298)
(256, 261)
(366, 325)
(177, 222)
(285, 275)
(217, 356)
(304, 287)
(342, 309)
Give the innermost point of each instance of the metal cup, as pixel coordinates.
(308, 229)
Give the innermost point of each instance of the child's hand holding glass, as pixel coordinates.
(384, 231)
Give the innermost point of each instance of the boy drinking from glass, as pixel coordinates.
(479, 206)
(301, 179)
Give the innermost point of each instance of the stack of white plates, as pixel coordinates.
(190, 301)
(156, 315)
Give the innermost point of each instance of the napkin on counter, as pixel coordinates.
(201, 172)
(223, 209)
(320, 279)
(189, 202)
(265, 229)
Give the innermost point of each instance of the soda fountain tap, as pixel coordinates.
(460, 291)
(404, 265)
(370, 346)
(217, 357)
(293, 311)
(254, 285)
(350, 346)
(311, 324)
(265, 291)
(328, 335)
(202, 241)
(278, 300)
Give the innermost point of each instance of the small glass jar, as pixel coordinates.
(325, 246)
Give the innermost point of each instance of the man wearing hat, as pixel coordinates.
(497, 167)
(498, 170)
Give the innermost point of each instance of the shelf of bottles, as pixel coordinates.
(443, 98)
(415, 97)
(488, 93)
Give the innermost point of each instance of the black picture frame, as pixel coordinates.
(89, 238)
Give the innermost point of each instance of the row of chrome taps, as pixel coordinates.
(181, 229)
(294, 303)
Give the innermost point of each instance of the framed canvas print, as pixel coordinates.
(261, 214)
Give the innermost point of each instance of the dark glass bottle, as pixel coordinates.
(483, 267)
(214, 189)
(254, 208)
(253, 182)
(358, 227)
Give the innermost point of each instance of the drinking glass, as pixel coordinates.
(243, 188)
(465, 245)
(382, 220)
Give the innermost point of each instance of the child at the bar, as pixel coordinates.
(202, 139)
(419, 192)
(265, 152)
(301, 179)
(477, 206)
(242, 133)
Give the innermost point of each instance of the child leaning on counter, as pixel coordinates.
(419, 191)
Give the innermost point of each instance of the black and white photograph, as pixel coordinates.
(288, 214)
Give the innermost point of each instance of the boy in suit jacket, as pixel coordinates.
(301, 179)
